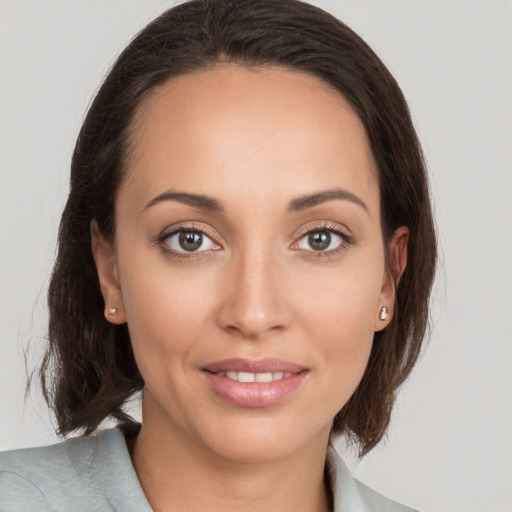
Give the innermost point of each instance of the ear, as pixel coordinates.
(104, 255)
(397, 250)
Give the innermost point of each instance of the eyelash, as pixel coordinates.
(178, 254)
(329, 228)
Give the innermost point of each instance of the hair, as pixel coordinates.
(89, 371)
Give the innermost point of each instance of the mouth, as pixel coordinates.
(254, 377)
(248, 383)
(264, 370)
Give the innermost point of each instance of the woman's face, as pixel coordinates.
(249, 261)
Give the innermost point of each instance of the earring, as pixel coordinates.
(112, 311)
(383, 313)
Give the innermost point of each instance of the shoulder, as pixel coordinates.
(64, 476)
(33, 462)
(18, 493)
(37, 464)
(350, 494)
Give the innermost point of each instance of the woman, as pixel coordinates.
(248, 239)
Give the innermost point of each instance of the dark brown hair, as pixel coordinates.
(89, 370)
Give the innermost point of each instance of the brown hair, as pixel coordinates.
(89, 370)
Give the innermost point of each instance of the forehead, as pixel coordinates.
(230, 127)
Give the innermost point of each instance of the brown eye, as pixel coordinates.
(323, 240)
(188, 241)
(320, 240)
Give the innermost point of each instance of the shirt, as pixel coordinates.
(89, 474)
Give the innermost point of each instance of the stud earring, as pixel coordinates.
(383, 313)
(112, 311)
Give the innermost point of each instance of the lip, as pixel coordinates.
(256, 366)
(254, 394)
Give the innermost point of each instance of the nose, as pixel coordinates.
(254, 301)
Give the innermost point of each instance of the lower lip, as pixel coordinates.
(254, 394)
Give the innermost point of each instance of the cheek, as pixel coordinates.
(344, 339)
(344, 334)
(165, 312)
(339, 317)
(344, 299)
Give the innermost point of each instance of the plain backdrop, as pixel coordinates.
(449, 446)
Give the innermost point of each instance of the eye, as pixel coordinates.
(189, 241)
(321, 241)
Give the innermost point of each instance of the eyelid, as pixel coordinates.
(213, 236)
(324, 226)
(191, 227)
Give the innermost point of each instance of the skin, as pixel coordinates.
(255, 141)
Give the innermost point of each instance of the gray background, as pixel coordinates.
(449, 446)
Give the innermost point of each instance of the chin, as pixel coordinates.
(263, 440)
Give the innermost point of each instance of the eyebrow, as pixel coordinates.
(195, 200)
(311, 200)
(299, 204)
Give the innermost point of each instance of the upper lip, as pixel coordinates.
(256, 366)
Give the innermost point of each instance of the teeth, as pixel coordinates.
(246, 377)
(255, 377)
(263, 377)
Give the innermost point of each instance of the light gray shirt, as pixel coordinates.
(93, 474)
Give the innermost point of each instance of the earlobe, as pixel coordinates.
(397, 251)
(106, 265)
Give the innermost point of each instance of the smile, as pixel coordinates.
(246, 383)
(255, 377)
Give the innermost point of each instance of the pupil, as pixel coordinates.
(190, 241)
(320, 240)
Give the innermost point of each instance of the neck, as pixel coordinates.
(177, 474)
